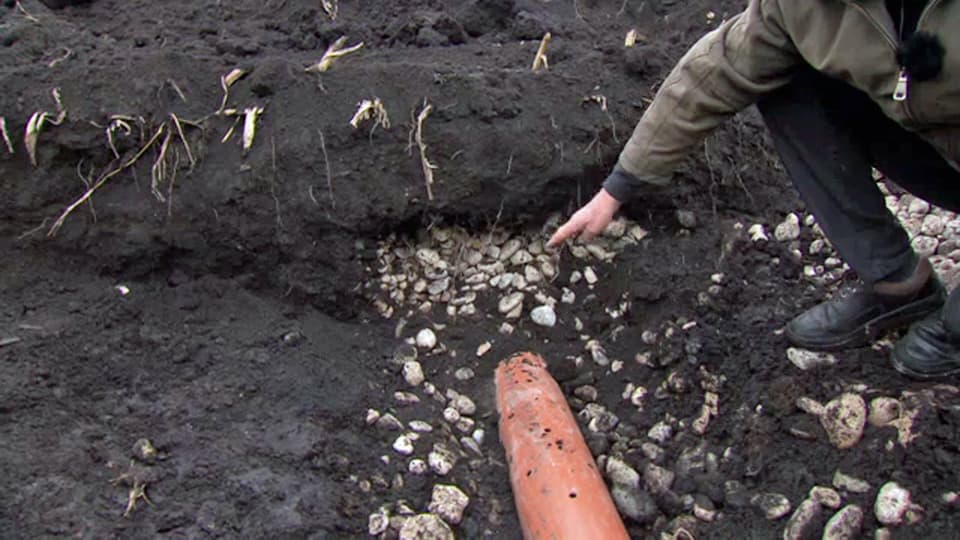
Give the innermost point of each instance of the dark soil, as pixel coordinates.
(246, 349)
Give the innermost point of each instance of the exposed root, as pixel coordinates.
(26, 13)
(103, 180)
(6, 135)
(34, 230)
(602, 101)
(367, 110)
(326, 163)
(159, 169)
(88, 182)
(173, 181)
(137, 492)
(334, 51)
(67, 54)
(117, 122)
(428, 167)
(183, 139)
(176, 88)
(273, 182)
(540, 60)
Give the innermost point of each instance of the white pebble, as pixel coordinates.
(451, 415)
(510, 302)
(463, 404)
(403, 445)
(448, 502)
(590, 275)
(757, 234)
(413, 373)
(426, 339)
(417, 466)
(544, 316)
(892, 504)
(788, 230)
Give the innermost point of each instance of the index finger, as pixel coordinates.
(564, 232)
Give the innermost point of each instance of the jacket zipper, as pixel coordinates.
(902, 89)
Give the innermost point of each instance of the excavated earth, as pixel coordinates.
(238, 307)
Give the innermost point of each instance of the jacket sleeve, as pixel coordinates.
(727, 70)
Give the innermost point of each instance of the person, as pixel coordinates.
(843, 86)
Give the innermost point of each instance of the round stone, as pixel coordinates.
(844, 419)
(544, 316)
(426, 339)
(413, 373)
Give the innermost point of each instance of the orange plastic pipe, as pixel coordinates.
(558, 490)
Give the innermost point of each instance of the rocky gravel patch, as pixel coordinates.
(665, 473)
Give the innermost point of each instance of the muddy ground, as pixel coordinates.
(228, 314)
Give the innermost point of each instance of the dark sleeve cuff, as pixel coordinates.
(621, 184)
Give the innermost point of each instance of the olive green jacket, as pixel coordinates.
(759, 51)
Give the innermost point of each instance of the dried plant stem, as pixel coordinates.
(159, 170)
(540, 60)
(428, 167)
(6, 135)
(101, 181)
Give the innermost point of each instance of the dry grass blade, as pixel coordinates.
(37, 121)
(331, 8)
(103, 180)
(6, 135)
(251, 114)
(226, 81)
(334, 51)
(229, 134)
(540, 60)
(428, 167)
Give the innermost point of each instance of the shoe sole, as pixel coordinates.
(898, 318)
(902, 368)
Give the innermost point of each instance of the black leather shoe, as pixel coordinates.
(858, 317)
(928, 351)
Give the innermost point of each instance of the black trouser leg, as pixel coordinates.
(829, 135)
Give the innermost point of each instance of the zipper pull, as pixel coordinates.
(900, 92)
